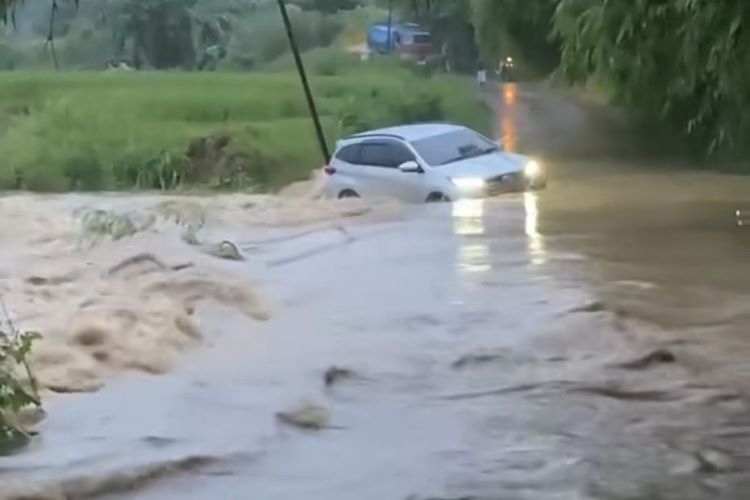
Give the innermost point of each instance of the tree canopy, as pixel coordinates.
(679, 62)
(683, 61)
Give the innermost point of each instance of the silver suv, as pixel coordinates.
(427, 163)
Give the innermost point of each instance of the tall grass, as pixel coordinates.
(120, 130)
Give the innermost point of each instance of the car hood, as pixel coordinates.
(484, 167)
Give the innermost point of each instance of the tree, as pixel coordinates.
(450, 24)
(682, 62)
(8, 9)
(518, 27)
(328, 6)
(158, 33)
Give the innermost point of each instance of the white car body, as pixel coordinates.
(425, 163)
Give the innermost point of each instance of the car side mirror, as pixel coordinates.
(410, 167)
(500, 144)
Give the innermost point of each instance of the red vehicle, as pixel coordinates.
(413, 42)
(409, 41)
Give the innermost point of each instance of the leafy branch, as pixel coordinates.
(15, 395)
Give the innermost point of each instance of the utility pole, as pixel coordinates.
(390, 25)
(305, 85)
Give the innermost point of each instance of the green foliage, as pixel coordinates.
(143, 130)
(677, 61)
(328, 6)
(99, 223)
(470, 30)
(159, 33)
(168, 34)
(670, 62)
(16, 395)
(518, 28)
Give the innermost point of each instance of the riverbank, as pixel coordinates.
(154, 130)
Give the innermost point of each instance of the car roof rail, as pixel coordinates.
(367, 135)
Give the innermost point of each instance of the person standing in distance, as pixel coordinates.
(482, 75)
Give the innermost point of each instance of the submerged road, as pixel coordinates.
(586, 342)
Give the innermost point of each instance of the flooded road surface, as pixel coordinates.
(586, 342)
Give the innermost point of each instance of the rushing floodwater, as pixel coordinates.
(587, 342)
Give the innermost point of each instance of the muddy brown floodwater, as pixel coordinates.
(586, 342)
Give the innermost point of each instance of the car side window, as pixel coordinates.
(387, 154)
(400, 154)
(350, 154)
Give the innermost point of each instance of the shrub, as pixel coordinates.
(134, 130)
(16, 395)
(83, 172)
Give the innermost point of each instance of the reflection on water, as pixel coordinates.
(510, 93)
(468, 220)
(474, 258)
(535, 241)
(743, 218)
(468, 217)
(508, 132)
(509, 137)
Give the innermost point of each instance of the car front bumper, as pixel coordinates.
(514, 183)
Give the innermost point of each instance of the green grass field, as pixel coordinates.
(125, 130)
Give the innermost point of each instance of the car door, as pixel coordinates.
(349, 173)
(381, 159)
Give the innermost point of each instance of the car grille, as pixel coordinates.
(505, 183)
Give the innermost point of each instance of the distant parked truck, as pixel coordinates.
(406, 39)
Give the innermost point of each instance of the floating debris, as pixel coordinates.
(306, 416)
(336, 374)
(622, 394)
(143, 258)
(475, 359)
(226, 250)
(714, 461)
(592, 307)
(657, 357)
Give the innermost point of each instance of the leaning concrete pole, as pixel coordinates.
(305, 85)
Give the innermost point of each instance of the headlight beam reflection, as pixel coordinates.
(468, 220)
(534, 240)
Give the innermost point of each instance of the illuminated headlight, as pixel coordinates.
(468, 183)
(532, 169)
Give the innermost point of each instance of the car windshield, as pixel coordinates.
(453, 146)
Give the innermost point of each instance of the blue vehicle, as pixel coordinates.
(377, 38)
(406, 39)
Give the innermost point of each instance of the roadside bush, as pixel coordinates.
(83, 172)
(138, 130)
(382, 107)
(16, 394)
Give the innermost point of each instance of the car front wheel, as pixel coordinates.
(437, 198)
